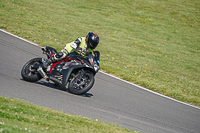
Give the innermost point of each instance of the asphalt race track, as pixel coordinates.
(110, 100)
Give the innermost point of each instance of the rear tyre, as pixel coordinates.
(29, 74)
(83, 85)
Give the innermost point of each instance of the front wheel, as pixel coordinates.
(80, 85)
(30, 74)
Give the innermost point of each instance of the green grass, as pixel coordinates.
(153, 43)
(19, 116)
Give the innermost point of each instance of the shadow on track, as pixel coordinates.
(89, 95)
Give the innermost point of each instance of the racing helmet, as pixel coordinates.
(92, 40)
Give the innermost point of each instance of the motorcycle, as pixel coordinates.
(75, 72)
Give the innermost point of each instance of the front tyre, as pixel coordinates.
(81, 85)
(30, 74)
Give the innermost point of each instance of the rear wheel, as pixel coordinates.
(80, 85)
(30, 74)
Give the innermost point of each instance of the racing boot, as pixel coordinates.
(57, 56)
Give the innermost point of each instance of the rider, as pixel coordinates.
(81, 44)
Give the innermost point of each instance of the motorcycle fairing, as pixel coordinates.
(67, 72)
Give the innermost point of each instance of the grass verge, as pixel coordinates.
(20, 116)
(153, 43)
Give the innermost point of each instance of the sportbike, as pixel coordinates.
(75, 72)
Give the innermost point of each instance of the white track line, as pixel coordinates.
(113, 76)
(150, 90)
(18, 37)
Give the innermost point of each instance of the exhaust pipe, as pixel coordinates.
(42, 73)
